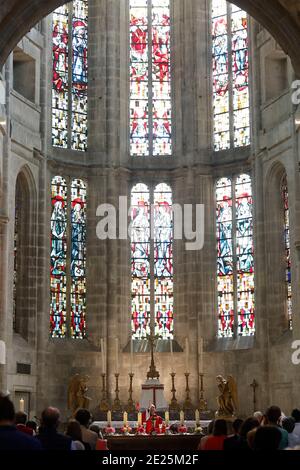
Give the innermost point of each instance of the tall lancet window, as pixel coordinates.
(287, 247)
(152, 261)
(18, 212)
(68, 259)
(150, 78)
(230, 75)
(235, 262)
(70, 75)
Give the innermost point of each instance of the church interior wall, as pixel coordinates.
(192, 175)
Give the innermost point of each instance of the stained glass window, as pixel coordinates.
(287, 247)
(163, 260)
(150, 79)
(78, 259)
(140, 261)
(230, 76)
(152, 261)
(68, 259)
(58, 272)
(70, 75)
(235, 258)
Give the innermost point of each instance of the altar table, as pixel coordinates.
(169, 443)
(132, 424)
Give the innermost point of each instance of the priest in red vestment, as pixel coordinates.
(154, 423)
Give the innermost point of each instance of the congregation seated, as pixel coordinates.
(32, 425)
(215, 441)
(260, 432)
(296, 415)
(205, 438)
(259, 416)
(74, 432)
(289, 425)
(232, 442)
(89, 437)
(20, 422)
(10, 437)
(273, 416)
(267, 438)
(48, 435)
(248, 425)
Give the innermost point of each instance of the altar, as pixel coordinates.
(178, 442)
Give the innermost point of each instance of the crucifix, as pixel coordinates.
(153, 373)
(254, 386)
(152, 338)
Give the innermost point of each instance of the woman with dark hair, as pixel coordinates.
(209, 433)
(247, 426)
(219, 434)
(74, 432)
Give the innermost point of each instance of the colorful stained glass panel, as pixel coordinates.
(58, 273)
(230, 66)
(78, 259)
(150, 78)
(287, 246)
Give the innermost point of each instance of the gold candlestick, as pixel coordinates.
(117, 404)
(202, 402)
(174, 406)
(130, 404)
(187, 405)
(104, 406)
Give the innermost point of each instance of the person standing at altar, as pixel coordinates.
(154, 423)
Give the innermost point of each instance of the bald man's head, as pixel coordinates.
(50, 418)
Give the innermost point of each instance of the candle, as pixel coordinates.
(117, 355)
(22, 403)
(172, 355)
(140, 419)
(200, 352)
(187, 365)
(197, 417)
(181, 418)
(109, 418)
(131, 355)
(167, 418)
(125, 418)
(103, 356)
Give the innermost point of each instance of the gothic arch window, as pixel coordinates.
(70, 75)
(23, 307)
(68, 259)
(20, 231)
(230, 76)
(150, 78)
(287, 249)
(151, 261)
(235, 257)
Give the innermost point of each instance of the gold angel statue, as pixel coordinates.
(77, 393)
(228, 399)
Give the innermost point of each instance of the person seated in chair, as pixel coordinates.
(154, 423)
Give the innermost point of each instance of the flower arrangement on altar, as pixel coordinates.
(126, 429)
(109, 430)
(182, 429)
(198, 430)
(141, 430)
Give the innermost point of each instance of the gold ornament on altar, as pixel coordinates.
(228, 399)
(77, 393)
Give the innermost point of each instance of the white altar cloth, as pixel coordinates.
(133, 424)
